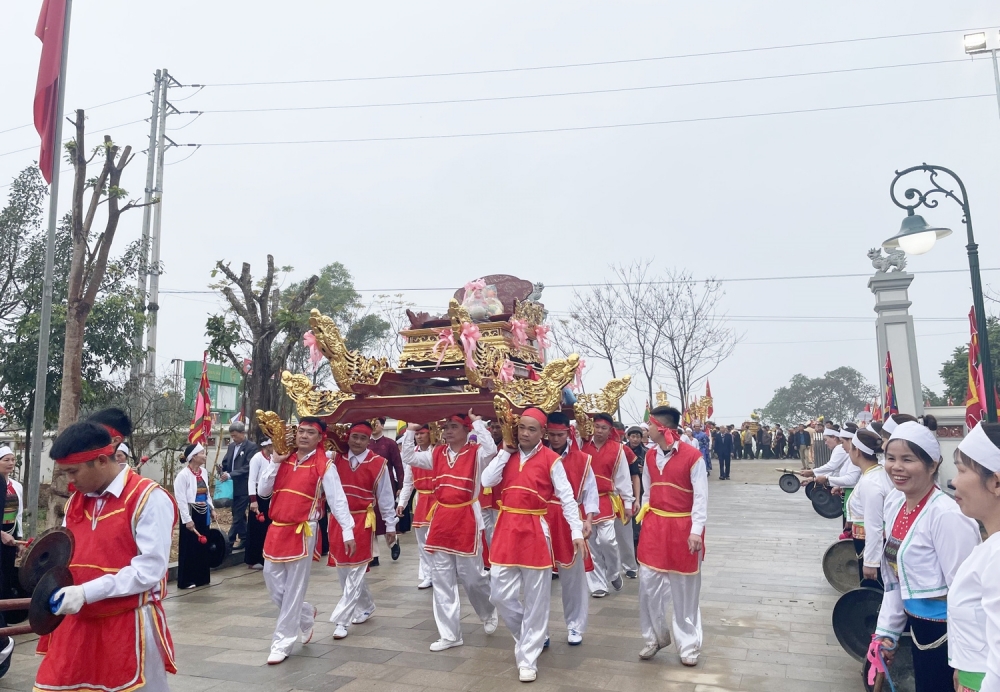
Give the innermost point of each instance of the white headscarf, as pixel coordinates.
(124, 448)
(5, 450)
(197, 450)
(889, 425)
(861, 445)
(921, 436)
(976, 445)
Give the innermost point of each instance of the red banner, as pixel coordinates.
(50, 30)
(975, 401)
(890, 406)
(201, 423)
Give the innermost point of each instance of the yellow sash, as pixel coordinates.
(533, 512)
(430, 513)
(299, 528)
(617, 506)
(659, 513)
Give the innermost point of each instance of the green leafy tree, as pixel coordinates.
(838, 395)
(955, 371)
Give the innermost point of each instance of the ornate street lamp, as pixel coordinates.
(916, 237)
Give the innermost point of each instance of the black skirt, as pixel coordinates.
(192, 556)
(10, 586)
(930, 666)
(256, 533)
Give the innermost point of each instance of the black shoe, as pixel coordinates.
(394, 550)
(631, 573)
(374, 562)
(617, 583)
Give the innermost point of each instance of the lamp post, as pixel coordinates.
(976, 44)
(916, 237)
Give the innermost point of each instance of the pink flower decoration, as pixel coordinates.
(542, 334)
(519, 332)
(446, 339)
(506, 373)
(470, 339)
(473, 286)
(578, 383)
(309, 341)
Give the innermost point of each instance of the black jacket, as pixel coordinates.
(239, 468)
(723, 444)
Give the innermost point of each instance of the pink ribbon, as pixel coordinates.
(876, 660)
(506, 373)
(446, 339)
(519, 333)
(470, 339)
(472, 286)
(309, 341)
(578, 382)
(542, 334)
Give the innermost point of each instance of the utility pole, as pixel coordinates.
(154, 261)
(151, 151)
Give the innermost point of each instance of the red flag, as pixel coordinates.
(50, 30)
(876, 410)
(201, 424)
(709, 408)
(975, 407)
(890, 407)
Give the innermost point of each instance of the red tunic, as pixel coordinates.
(360, 486)
(103, 647)
(663, 540)
(605, 462)
(297, 496)
(519, 539)
(423, 486)
(576, 465)
(454, 527)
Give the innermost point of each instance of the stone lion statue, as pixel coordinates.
(895, 259)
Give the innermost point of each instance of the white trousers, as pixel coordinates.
(575, 595)
(656, 591)
(156, 674)
(489, 523)
(626, 545)
(356, 598)
(424, 568)
(450, 571)
(607, 559)
(287, 583)
(527, 620)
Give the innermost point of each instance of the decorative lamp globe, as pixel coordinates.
(915, 235)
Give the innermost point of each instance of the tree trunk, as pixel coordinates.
(72, 384)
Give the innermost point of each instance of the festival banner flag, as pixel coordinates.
(709, 408)
(975, 397)
(50, 30)
(201, 423)
(876, 409)
(890, 407)
(645, 415)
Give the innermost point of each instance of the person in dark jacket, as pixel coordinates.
(236, 466)
(723, 443)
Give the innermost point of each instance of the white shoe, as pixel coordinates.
(600, 593)
(364, 617)
(526, 674)
(275, 657)
(425, 584)
(649, 651)
(340, 632)
(492, 622)
(574, 638)
(306, 636)
(690, 661)
(442, 644)
(258, 567)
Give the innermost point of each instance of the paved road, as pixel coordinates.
(765, 605)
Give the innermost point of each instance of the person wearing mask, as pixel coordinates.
(671, 547)
(927, 539)
(194, 504)
(259, 504)
(974, 597)
(236, 467)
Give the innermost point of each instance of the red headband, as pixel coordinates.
(112, 431)
(462, 420)
(538, 415)
(361, 429)
(558, 427)
(89, 455)
(668, 433)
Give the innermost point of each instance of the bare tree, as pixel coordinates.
(697, 339)
(597, 327)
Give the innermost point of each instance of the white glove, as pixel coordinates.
(67, 601)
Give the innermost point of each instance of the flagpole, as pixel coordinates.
(41, 371)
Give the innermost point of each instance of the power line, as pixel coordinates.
(736, 51)
(585, 92)
(837, 341)
(91, 108)
(585, 128)
(110, 127)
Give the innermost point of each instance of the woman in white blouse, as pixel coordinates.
(259, 522)
(865, 506)
(974, 598)
(927, 539)
(194, 503)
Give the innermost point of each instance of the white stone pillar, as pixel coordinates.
(894, 331)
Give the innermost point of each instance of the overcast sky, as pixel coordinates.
(748, 197)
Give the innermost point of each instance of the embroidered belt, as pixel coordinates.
(659, 513)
